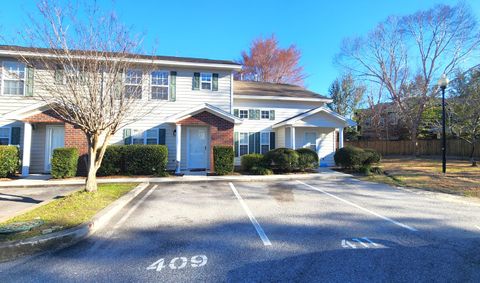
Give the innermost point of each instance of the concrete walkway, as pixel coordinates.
(44, 180)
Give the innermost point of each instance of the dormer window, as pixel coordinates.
(13, 78)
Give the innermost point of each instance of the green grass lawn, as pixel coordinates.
(70, 211)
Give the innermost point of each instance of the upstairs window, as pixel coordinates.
(206, 81)
(133, 84)
(159, 85)
(4, 136)
(243, 114)
(265, 114)
(13, 78)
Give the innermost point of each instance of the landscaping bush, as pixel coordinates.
(248, 161)
(64, 162)
(145, 159)
(112, 163)
(9, 160)
(223, 159)
(307, 159)
(351, 157)
(258, 170)
(135, 159)
(282, 159)
(371, 156)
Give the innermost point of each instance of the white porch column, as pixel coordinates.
(178, 149)
(292, 137)
(27, 146)
(340, 137)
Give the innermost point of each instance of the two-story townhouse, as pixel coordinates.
(196, 105)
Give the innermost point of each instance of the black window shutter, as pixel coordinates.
(196, 81)
(127, 136)
(257, 142)
(236, 113)
(30, 81)
(251, 114)
(59, 75)
(235, 140)
(251, 142)
(257, 114)
(272, 140)
(215, 82)
(173, 85)
(15, 136)
(161, 136)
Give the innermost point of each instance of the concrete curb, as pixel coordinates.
(330, 174)
(65, 238)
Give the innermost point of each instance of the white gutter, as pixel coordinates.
(283, 98)
(135, 60)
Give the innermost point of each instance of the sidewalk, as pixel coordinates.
(43, 180)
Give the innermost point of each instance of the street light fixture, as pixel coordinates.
(442, 83)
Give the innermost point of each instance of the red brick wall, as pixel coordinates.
(221, 130)
(73, 137)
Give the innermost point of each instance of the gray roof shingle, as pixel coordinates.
(273, 89)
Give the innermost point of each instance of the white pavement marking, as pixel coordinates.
(359, 207)
(370, 241)
(132, 209)
(360, 242)
(254, 221)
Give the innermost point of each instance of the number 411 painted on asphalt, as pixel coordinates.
(179, 263)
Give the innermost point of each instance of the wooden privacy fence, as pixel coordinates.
(455, 147)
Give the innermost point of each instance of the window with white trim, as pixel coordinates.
(133, 84)
(159, 82)
(311, 140)
(13, 78)
(243, 114)
(264, 142)
(265, 114)
(137, 137)
(206, 81)
(4, 136)
(151, 136)
(243, 143)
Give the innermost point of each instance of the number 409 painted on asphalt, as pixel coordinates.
(179, 262)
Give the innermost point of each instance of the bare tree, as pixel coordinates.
(346, 95)
(81, 75)
(464, 109)
(405, 55)
(267, 62)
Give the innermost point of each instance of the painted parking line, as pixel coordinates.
(254, 221)
(133, 208)
(360, 207)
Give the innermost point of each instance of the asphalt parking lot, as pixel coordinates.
(302, 231)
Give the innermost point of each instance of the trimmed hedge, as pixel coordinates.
(134, 159)
(258, 170)
(64, 162)
(248, 161)
(307, 159)
(282, 159)
(223, 159)
(9, 160)
(351, 157)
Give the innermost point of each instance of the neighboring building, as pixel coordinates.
(381, 122)
(205, 108)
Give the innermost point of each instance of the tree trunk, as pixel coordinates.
(91, 182)
(472, 159)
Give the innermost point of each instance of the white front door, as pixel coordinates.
(197, 148)
(54, 139)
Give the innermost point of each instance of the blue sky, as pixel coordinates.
(222, 29)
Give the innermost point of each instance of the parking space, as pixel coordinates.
(311, 230)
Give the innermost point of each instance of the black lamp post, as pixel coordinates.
(442, 83)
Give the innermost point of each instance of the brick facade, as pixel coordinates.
(221, 130)
(73, 137)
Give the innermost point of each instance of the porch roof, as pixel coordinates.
(27, 111)
(201, 108)
(336, 119)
